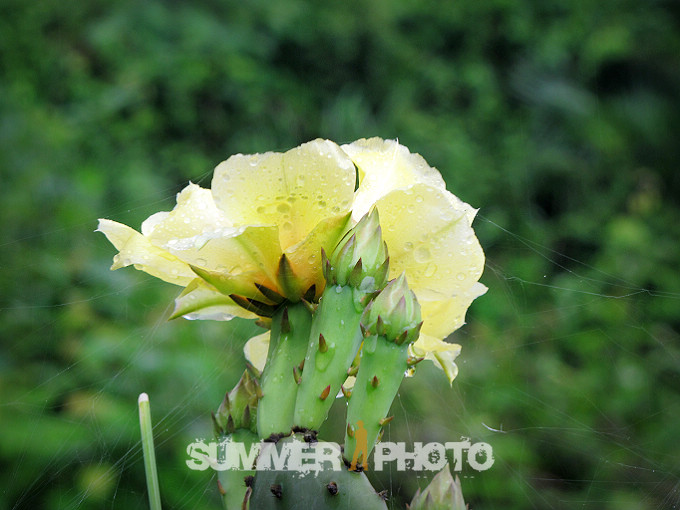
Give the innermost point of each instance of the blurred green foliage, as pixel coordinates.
(560, 120)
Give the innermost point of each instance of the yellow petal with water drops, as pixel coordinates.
(430, 239)
(256, 349)
(386, 165)
(135, 249)
(195, 214)
(442, 354)
(200, 300)
(441, 314)
(294, 190)
(251, 253)
(305, 257)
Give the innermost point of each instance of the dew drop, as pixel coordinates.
(287, 225)
(283, 208)
(460, 277)
(430, 270)
(201, 262)
(422, 254)
(408, 246)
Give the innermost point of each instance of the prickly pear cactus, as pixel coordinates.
(287, 489)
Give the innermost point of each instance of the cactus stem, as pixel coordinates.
(325, 392)
(323, 346)
(385, 421)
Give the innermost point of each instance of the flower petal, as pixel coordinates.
(199, 300)
(443, 315)
(253, 254)
(195, 214)
(442, 354)
(256, 349)
(305, 257)
(135, 249)
(385, 165)
(430, 239)
(294, 190)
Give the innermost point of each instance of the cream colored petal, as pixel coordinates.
(385, 165)
(256, 349)
(442, 315)
(199, 300)
(135, 249)
(252, 253)
(442, 354)
(195, 214)
(305, 257)
(187, 229)
(294, 190)
(430, 239)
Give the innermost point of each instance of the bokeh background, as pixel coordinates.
(559, 120)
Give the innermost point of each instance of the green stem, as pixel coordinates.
(287, 348)
(333, 343)
(382, 368)
(232, 481)
(149, 452)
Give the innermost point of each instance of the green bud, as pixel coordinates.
(394, 313)
(443, 493)
(238, 410)
(360, 258)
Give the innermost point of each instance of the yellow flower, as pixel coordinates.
(429, 236)
(258, 233)
(230, 238)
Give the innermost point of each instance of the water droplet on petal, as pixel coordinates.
(430, 270)
(422, 254)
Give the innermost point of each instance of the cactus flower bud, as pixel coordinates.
(360, 258)
(238, 410)
(394, 314)
(443, 493)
